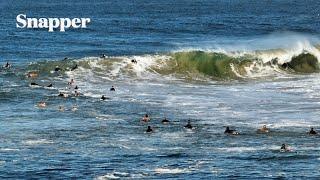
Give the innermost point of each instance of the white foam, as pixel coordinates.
(9, 149)
(38, 141)
(113, 175)
(107, 176)
(248, 149)
(171, 171)
(292, 123)
(2, 163)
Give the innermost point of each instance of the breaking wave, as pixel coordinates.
(189, 65)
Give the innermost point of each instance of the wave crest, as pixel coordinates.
(188, 65)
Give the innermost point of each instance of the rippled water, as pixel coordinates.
(86, 138)
(107, 138)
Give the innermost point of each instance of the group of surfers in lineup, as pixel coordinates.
(228, 131)
(71, 83)
(146, 117)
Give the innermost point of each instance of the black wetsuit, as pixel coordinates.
(229, 131)
(74, 68)
(7, 65)
(312, 132)
(103, 98)
(188, 126)
(57, 69)
(149, 129)
(165, 121)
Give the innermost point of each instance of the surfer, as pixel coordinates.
(74, 108)
(263, 129)
(56, 69)
(74, 67)
(165, 121)
(42, 104)
(71, 82)
(146, 118)
(312, 132)
(103, 98)
(284, 148)
(76, 87)
(112, 88)
(230, 131)
(7, 65)
(285, 65)
(134, 61)
(34, 84)
(188, 126)
(32, 74)
(61, 108)
(149, 130)
(62, 94)
(103, 56)
(50, 85)
(76, 93)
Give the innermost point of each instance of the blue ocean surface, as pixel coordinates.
(242, 64)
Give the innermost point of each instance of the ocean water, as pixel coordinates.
(241, 64)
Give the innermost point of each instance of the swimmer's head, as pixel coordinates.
(42, 104)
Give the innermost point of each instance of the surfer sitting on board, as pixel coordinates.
(149, 130)
(103, 98)
(230, 131)
(112, 88)
(312, 132)
(165, 121)
(188, 126)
